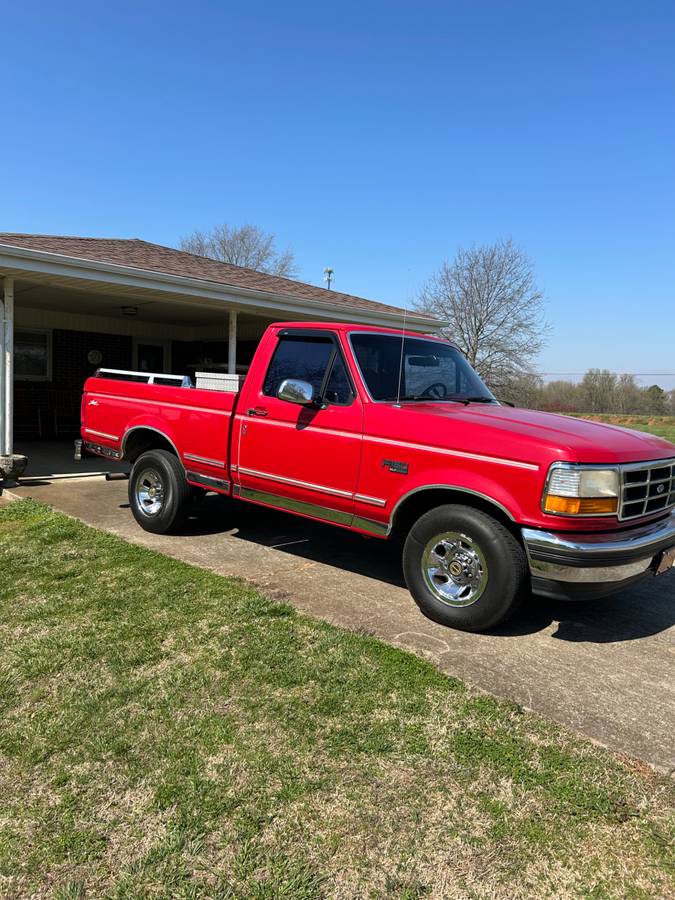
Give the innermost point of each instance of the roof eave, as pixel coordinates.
(48, 263)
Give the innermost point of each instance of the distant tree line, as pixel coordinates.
(599, 391)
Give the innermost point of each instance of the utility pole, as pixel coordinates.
(328, 276)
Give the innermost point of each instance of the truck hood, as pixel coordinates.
(524, 432)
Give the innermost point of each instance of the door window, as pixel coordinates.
(339, 389)
(316, 360)
(303, 358)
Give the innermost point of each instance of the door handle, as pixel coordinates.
(257, 411)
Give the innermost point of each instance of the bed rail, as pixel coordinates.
(145, 377)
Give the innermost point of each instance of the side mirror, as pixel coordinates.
(294, 391)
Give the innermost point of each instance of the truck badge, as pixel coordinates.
(395, 466)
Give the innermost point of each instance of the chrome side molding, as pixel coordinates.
(218, 463)
(332, 516)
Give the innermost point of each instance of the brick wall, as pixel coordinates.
(56, 403)
(53, 407)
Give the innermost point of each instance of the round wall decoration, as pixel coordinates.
(95, 357)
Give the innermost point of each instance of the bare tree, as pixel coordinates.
(627, 394)
(598, 391)
(494, 308)
(525, 389)
(561, 396)
(246, 245)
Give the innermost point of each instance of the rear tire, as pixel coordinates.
(159, 495)
(464, 568)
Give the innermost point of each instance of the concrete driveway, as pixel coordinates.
(604, 669)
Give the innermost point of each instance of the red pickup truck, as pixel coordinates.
(391, 433)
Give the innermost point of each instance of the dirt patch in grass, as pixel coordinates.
(167, 732)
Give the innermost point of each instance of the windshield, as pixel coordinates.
(431, 370)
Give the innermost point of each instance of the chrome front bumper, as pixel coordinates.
(593, 564)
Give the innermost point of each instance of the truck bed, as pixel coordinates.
(195, 421)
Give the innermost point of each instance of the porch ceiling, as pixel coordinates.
(101, 299)
(152, 306)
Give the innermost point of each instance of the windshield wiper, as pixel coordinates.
(428, 399)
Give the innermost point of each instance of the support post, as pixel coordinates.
(8, 368)
(12, 465)
(3, 451)
(232, 346)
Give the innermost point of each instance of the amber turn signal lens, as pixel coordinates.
(581, 506)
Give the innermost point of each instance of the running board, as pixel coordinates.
(206, 481)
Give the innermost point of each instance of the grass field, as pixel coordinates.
(663, 426)
(165, 732)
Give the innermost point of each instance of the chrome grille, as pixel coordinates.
(647, 488)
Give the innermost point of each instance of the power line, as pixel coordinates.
(640, 374)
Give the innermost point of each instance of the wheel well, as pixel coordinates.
(420, 502)
(140, 440)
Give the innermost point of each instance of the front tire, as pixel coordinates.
(464, 568)
(159, 495)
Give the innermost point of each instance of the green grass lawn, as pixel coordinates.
(165, 732)
(663, 426)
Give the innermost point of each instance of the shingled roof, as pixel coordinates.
(138, 254)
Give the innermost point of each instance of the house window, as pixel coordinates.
(32, 355)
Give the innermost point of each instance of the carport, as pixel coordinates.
(70, 305)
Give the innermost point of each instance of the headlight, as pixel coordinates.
(573, 490)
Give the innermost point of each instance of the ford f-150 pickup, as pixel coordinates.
(392, 433)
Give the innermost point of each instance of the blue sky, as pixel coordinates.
(372, 137)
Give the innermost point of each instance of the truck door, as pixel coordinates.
(303, 458)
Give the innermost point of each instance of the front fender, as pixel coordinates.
(506, 494)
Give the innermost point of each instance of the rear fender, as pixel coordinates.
(157, 426)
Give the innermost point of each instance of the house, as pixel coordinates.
(70, 305)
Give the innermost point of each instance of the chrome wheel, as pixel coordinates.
(150, 492)
(454, 569)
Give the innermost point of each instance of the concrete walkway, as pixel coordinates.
(604, 669)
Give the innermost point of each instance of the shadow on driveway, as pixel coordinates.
(639, 611)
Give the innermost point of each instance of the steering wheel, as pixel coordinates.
(437, 390)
